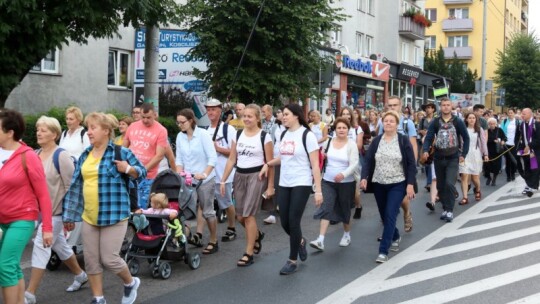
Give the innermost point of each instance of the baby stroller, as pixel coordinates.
(152, 241)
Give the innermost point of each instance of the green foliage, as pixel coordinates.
(170, 124)
(518, 71)
(29, 29)
(281, 56)
(30, 134)
(172, 100)
(462, 79)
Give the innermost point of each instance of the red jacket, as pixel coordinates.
(23, 195)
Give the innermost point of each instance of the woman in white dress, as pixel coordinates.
(471, 168)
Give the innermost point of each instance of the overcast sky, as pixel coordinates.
(534, 17)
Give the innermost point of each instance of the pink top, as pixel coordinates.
(164, 211)
(24, 195)
(144, 141)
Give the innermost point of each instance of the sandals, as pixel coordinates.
(211, 248)
(245, 261)
(258, 243)
(408, 223)
(477, 195)
(430, 206)
(230, 235)
(464, 201)
(196, 240)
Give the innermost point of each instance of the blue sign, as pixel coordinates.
(162, 74)
(195, 86)
(364, 66)
(168, 39)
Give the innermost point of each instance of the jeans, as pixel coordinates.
(429, 175)
(292, 202)
(389, 199)
(446, 170)
(144, 193)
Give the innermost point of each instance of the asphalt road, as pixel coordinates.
(487, 255)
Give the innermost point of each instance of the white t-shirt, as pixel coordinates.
(73, 142)
(511, 132)
(249, 149)
(317, 129)
(4, 156)
(295, 163)
(277, 135)
(353, 133)
(222, 159)
(337, 162)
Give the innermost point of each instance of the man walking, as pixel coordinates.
(529, 149)
(147, 139)
(450, 132)
(223, 136)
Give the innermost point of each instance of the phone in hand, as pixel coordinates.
(264, 195)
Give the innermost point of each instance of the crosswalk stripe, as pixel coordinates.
(495, 224)
(507, 210)
(533, 299)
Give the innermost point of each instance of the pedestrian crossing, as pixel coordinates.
(488, 254)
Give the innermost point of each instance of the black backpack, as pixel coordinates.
(83, 131)
(132, 191)
(225, 132)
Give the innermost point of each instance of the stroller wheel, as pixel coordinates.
(165, 270)
(134, 266)
(154, 270)
(54, 262)
(193, 260)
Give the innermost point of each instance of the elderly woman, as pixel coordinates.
(495, 145)
(23, 193)
(59, 168)
(338, 185)
(319, 128)
(390, 169)
(195, 153)
(123, 125)
(99, 197)
(74, 139)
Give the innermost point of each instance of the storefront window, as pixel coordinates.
(419, 100)
(365, 94)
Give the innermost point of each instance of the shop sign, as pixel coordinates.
(408, 73)
(363, 67)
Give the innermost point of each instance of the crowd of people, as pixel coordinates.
(83, 177)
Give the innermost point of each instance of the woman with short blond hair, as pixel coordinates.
(74, 139)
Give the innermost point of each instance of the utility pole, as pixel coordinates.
(151, 66)
(484, 38)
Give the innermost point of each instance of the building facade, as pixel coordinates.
(457, 27)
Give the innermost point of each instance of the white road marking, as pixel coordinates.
(533, 299)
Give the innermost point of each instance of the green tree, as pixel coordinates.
(434, 61)
(518, 71)
(29, 29)
(281, 56)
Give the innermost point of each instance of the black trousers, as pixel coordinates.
(531, 176)
(292, 202)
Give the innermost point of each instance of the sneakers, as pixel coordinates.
(130, 293)
(443, 215)
(78, 282)
(430, 206)
(270, 220)
(381, 258)
(395, 245)
(317, 245)
(302, 251)
(345, 241)
(527, 189)
(29, 298)
(100, 301)
(449, 217)
(357, 213)
(289, 268)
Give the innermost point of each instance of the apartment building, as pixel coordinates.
(457, 27)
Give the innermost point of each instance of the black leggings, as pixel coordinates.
(292, 202)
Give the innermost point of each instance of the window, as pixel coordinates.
(431, 42)
(335, 36)
(431, 14)
(416, 59)
(369, 7)
(359, 43)
(458, 13)
(369, 45)
(404, 52)
(458, 41)
(404, 6)
(49, 64)
(119, 69)
(361, 5)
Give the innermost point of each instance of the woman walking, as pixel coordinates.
(251, 151)
(391, 169)
(478, 152)
(23, 193)
(338, 185)
(99, 197)
(299, 159)
(495, 145)
(59, 169)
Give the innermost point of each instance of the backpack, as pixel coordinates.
(56, 158)
(83, 131)
(263, 136)
(304, 139)
(225, 132)
(447, 142)
(130, 183)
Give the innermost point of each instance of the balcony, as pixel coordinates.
(410, 29)
(457, 1)
(463, 52)
(524, 17)
(457, 25)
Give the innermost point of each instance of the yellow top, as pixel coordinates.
(89, 171)
(119, 140)
(237, 123)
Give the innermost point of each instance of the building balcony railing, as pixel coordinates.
(457, 1)
(463, 52)
(524, 17)
(410, 29)
(457, 25)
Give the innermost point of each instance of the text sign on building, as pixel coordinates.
(407, 72)
(175, 65)
(363, 67)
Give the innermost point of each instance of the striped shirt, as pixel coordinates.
(114, 204)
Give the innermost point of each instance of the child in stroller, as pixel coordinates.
(160, 206)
